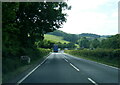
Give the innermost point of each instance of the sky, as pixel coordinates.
(92, 16)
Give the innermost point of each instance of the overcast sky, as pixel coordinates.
(92, 16)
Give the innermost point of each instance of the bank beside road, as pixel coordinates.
(15, 73)
(105, 56)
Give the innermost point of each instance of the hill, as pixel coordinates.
(74, 37)
(67, 37)
(89, 35)
(55, 38)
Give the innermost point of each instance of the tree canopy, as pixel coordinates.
(24, 23)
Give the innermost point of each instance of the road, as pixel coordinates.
(64, 68)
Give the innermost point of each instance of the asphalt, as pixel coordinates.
(64, 68)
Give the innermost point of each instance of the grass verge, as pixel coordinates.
(104, 60)
(11, 74)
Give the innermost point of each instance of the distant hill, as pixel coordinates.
(105, 36)
(89, 35)
(74, 37)
(58, 33)
(67, 37)
(55, 38)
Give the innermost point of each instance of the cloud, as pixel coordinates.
(86, 17)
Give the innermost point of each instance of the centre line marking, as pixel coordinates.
(66, 60)
(92, 81)
(74, 67)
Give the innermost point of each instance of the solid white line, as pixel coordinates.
(74, 67)
(108, 65)
(20, 81)
(92, 81)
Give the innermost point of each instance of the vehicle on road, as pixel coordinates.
(55, 48)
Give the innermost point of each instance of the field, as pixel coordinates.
(55, 38)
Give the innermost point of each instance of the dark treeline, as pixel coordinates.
(112, 42)
(89, 41)
(24, 24)
(105, 51)
(89, 35)
(49, 44)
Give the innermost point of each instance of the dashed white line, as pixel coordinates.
(74, 67)
(96, 62)
(66, 60)
(92, 81)
(20, 81)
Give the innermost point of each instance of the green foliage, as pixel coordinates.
(58, 33)
(45, 44)
(107, 55)
(12, 63)
(24, 24)
(111, 42)
(71, 38)
(36, 19)
(84, 42)
(59, 41)
(95, 43)
(91, 41)
(66, 45)
(67, 37)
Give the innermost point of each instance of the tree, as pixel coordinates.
(71, 37)
(95, 43)
(84, 42)
(36, 19)
(24, 23)
(111, 42)
(9, 31)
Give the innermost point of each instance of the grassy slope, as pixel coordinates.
(110, 62)
(55, 38)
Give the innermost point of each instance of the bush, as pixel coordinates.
(11, 63)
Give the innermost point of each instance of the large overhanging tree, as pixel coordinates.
(36, 19)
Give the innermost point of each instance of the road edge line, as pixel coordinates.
(96, 62)
(21, 80)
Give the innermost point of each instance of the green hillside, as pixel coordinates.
(55, 38)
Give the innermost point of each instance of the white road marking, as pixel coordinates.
(20, 81)
(74, 67)
(94, 62)
(92, 81)
(66, 60)
(107, 65)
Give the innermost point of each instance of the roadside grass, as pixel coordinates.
(55, 38)
(15, 73)
(13, 67)
(105, 60)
